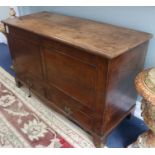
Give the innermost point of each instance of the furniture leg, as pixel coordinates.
(99, 142)
(18, 83)
(129, 116)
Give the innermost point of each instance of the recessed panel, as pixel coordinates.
(74, 77)
(27, 57)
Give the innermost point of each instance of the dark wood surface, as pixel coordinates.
(99, 38)
(95, 91)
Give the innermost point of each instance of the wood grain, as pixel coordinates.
(99, 38)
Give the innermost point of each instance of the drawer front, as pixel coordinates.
(73, 109)
(74, 77)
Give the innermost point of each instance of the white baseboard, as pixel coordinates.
(138, 111)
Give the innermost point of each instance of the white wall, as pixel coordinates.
(4, 10)
(4, 13)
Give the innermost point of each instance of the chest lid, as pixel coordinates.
(95, 37)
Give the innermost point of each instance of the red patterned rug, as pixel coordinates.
(27, 122)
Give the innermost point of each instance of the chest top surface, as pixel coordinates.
(96, 37)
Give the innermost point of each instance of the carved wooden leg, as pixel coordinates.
(99, 142)
(18, 83)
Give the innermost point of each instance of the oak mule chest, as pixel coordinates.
(83, 69)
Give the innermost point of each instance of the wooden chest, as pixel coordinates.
(81, 68)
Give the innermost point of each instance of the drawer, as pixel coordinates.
(70, 107)
(34, 84)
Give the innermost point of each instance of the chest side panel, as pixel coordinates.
(121, 94)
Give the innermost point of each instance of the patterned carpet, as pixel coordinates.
(27, 122)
